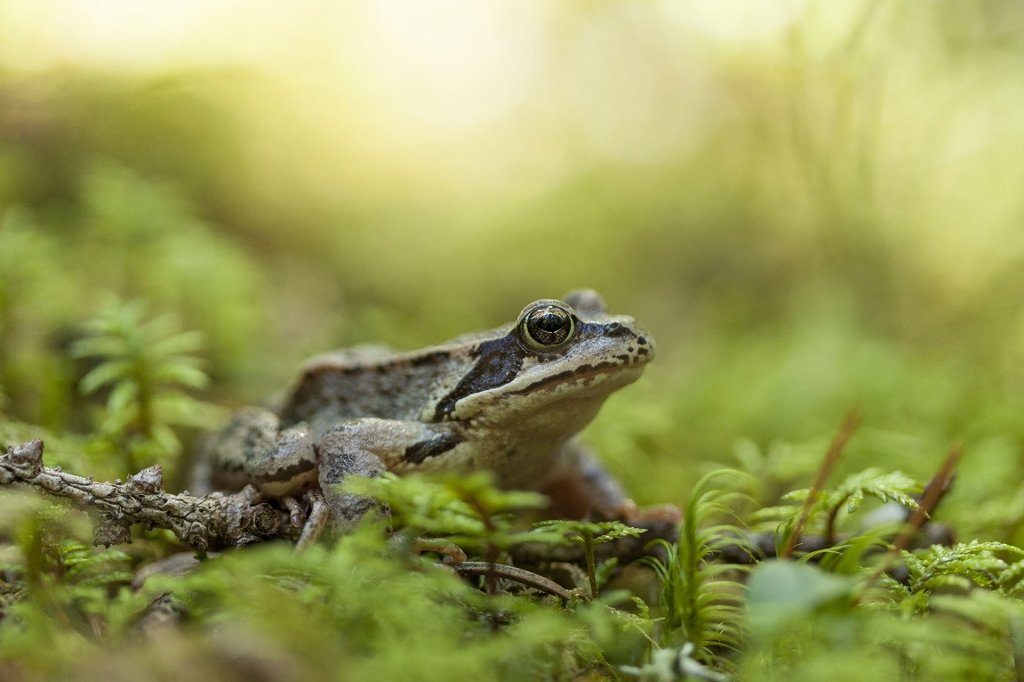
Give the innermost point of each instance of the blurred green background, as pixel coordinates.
(812, 205)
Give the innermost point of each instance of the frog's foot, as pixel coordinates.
(296, 512)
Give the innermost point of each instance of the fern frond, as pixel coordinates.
(963, 564)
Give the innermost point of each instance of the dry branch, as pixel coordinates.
(519, 575)
(210, 522)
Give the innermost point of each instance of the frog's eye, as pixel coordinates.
(547, 326)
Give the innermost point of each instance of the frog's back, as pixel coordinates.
(371, 382)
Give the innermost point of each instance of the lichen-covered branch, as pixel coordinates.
(210, 522)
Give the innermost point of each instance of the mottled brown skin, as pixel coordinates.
(509, 400)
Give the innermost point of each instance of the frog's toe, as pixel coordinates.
(319, 515)
(296, 512)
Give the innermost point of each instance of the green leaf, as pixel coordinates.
(182, 374)
(166, 439)
(99, 346)
(183, 342)
(782, 592)
(123, 395)
(104, 374)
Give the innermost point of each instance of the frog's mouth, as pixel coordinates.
(601, 371)
(584, 373)
(585, 383)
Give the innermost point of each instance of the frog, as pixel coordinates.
(510, 400)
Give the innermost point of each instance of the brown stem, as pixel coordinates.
(835, 450)
(588, 549)
(930, 498)
(830, 522)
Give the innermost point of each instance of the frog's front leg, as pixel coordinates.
(368, 447)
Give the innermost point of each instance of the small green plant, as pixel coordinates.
(468, 511)
(588, 534)
(961, 567)
(701, 599)
(146, 366)
(399, 621)
(53, 577)
(958, 606)
(847, 497)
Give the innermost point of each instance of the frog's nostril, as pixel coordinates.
(615, 329)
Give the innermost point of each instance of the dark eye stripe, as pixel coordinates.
(499, 363)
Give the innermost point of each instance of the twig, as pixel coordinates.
(203, 523)
(835, 449)
(528, 578)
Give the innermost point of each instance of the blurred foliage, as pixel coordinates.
(812, 206)
(144, 367)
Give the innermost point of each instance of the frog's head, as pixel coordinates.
(553, 368)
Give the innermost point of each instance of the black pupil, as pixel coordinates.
(550, 322)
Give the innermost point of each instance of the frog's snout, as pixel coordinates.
(634, 335)
(644, 344)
